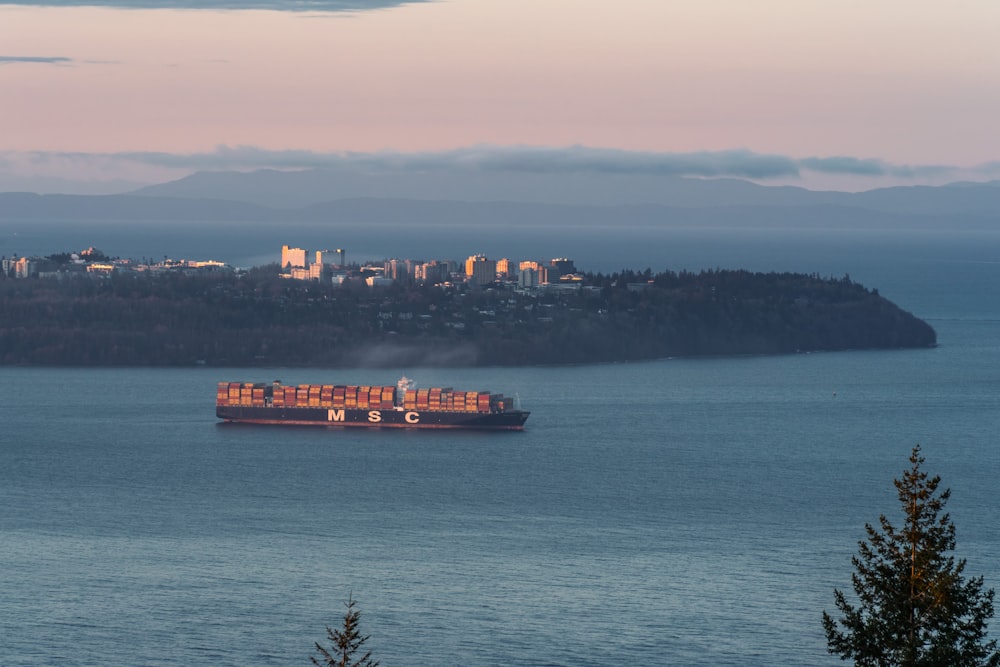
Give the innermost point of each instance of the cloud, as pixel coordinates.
(45, 60)
(844, 165)
(578, 159)
(853, 166)
(524, 159)
(272, 5)
(742, 164)
(988, 169)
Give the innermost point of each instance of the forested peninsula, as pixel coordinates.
(255, 318)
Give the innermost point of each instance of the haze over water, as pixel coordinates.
(682, 511)
(671, 512)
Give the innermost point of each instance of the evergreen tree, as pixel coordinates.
(916, 609)
(346, 642)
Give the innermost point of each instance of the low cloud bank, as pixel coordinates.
(574, 159)
(37, 60)
(152, 167)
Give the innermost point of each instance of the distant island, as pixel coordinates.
(257, 318)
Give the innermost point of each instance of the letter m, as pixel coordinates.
(335, 415)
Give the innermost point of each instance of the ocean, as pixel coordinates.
(670, 512)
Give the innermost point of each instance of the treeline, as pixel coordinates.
(256, 318)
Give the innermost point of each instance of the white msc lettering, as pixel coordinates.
(412, 417)
(335, 415)
(374, 416)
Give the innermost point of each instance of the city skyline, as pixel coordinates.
(844, 96)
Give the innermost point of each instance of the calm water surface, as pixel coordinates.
(675, 512)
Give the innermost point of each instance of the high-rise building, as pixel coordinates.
(7, 265)
(25, 268)
(330, 258)
(395, 269)
(541, 271)
(504, 267)
(292, 258)
(479, 270)
(561, 267)
(431, 273)
(528, 277)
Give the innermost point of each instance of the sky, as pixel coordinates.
(829, 95)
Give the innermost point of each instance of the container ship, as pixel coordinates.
(400, 406)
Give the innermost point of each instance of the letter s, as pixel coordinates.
(374, 416)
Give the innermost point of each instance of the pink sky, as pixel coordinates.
(907, 82)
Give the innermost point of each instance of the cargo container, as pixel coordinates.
(371, 406)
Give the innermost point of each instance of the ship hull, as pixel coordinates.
(511, 420)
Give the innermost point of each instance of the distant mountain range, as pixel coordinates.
(511, 199)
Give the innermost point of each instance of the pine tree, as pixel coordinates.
(916, 609)
(345, 643)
